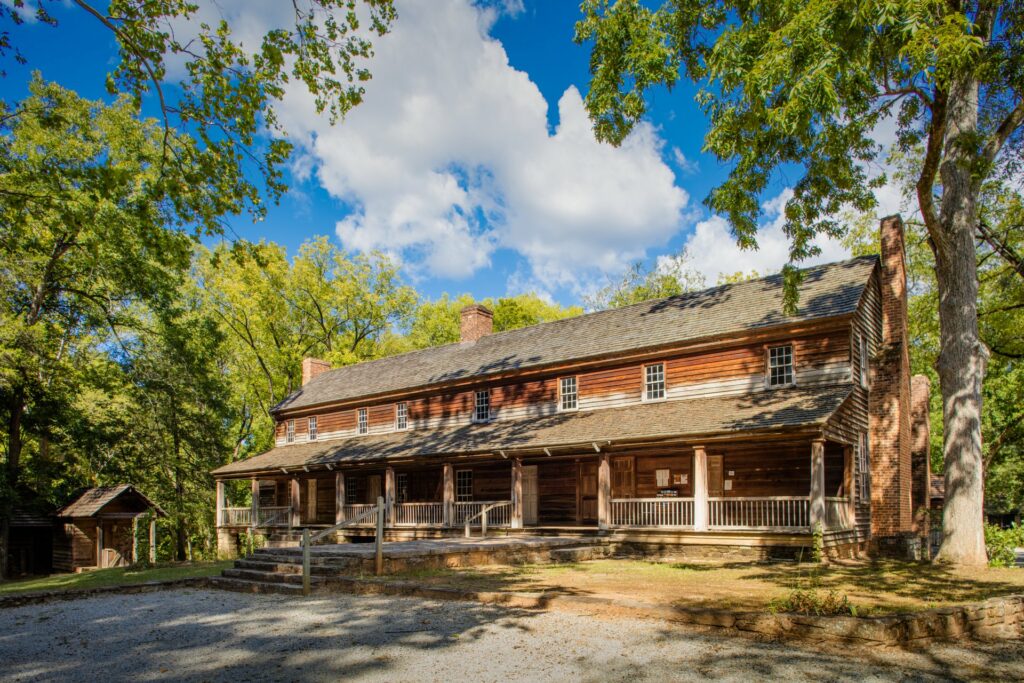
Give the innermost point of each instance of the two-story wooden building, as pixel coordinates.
(710, 418)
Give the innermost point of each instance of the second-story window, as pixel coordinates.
(289, 431)
(463, 486)
(780, 366)
(401, 416)
(568, 398)
(312, 428)
(362, 423)
(482, 406)
(863, 339)
(654, 382)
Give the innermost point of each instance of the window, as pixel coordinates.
(482, 406)
(463, 486)
(289, 435)
(362, 424)
(654, 382)
(567, 395)
(863, 339)
(350, 491)
(780, 366)
(401, 416)
(864, 468)
(312, 428)
(402, 486)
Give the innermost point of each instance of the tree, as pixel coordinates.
(671, 276)
(805, 86)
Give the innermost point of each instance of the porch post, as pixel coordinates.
(851, 507)
(700, 489)
(604, 492)
(219, 518)
(339, 497)
(517, 493)
(295, 503)
(135, 540)
(449, 494)
(389, 494)
(254, 513)
(99, 543)
(817, 483)
(152, 540)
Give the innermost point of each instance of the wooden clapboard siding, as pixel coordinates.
(492, 481)
(835, 472)
(556, 491)
(74, 545)
(781, 468)
(426, 485)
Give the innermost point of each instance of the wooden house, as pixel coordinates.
(710, 420)
(98, 528)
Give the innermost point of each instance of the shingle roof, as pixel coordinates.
(91, 501)
(827, 291)
(785, 408)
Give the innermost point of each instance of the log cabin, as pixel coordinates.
(710, 420)
(98, 529)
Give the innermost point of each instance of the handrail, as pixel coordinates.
(483, 517)
(341, 525)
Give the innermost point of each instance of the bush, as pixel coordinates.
(814, 602)
(1001, 544)
(249, 542)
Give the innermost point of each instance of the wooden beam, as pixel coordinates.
(817, 483)
(295, 501)
(339, 497)
(254, 512)
(448, 475)
(517, 493)
(389, 494)
(700, 489)
(219, 518)
(604, 492)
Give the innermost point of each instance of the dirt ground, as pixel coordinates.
(873, 588)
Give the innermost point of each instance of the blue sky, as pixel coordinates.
(471, 160)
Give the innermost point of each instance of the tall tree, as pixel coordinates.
(802, 88)
(670, 276)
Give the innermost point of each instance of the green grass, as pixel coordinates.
(117, 576)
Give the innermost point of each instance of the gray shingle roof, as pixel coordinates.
(827, 291)
(766, 410)
(91, 501)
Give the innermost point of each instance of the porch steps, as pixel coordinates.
(249, 586)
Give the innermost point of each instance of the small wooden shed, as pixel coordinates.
(97, 529)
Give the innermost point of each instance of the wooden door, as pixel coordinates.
(715, 487)
(623, 477)
(372, 488)
(529, 494)
(587, 488)
(310, 506)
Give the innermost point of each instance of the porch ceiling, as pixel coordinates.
(763, 411)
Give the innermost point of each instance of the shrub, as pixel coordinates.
(1002, 543)
(249, 542)
(814, 602)
(818, 547)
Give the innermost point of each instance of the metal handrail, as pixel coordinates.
(341, 525)
(483, 517)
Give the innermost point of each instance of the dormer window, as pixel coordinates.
(362, 423)
(568, 395)
(289, 431)
(654, 382)
(780, 366)
(312, 428)
(482, 406)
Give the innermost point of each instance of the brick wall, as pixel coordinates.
(476, 321)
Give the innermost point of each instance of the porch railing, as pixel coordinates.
(656, 512)
(355, 511)
(764, 513)
(837, 513)
(418, 514)
(238, 516)
(499, 516)
(273, 515)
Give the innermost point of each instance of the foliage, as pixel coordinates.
(818, 544)
(671, 276)
(1002, 544)
(249, 542)
(814, 602)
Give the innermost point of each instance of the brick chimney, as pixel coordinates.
(477, 322)
(311, 367)
(920, 450)
(889, 400)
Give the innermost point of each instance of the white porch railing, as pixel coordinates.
(768, 513)
(501, 516)
(353, 511)
(418, 514)
(273, 515)
(652, 512)
(237, 516)
(837, 513)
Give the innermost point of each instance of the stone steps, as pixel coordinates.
(268, 577)
(248, 586)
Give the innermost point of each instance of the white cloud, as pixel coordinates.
(686, 166)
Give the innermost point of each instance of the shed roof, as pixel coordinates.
(91, 501)
(762, 411)
(826, 291)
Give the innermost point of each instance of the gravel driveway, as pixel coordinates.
(219, 636)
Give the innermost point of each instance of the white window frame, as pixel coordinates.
(479, 406)
(865, 375)
(313, 434)
(463, 479)
(656, 385)
(570, 396)
(401, 487)
(362, 422)
(769, 366)
(401, 416)
(864, 467)
(289, 431)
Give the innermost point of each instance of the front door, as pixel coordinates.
(587, 507)
(715, 487)
(623, 478)
(372, 488)
(529, 494)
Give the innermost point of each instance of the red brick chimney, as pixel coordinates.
(477, 322)
(311, 367)
(920, 450)
(889, 399)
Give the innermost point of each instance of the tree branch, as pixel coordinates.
(1005, 251)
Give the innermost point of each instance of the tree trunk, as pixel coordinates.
(963, 357)
(12, 474)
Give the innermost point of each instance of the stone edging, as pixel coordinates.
(39, 597)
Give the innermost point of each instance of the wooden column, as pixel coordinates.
(339, 497)
(517, 493)
(817, 483)
(449, 494)
(295, 502)
(700, 489)
(255, 509)
(220, 504)
(99, 543)
(135, 540)
(604, 492)
(851, 504)
(152, 540)
(389, 494)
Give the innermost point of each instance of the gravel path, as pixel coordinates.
(219, 636)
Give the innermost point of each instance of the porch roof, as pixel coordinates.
(757, 412)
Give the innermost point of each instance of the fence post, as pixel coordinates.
(379, 540)
(305, 562)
